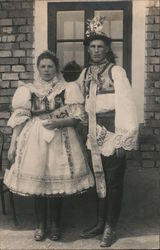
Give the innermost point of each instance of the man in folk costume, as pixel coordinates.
(112, 128)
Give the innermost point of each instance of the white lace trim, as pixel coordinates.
(127, 141)
(42, 90)
(18, 117)
(108, 141)
(27, 186)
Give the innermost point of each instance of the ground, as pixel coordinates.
(138, 227)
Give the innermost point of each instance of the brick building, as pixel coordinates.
(21, 40)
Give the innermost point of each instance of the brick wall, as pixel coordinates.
(148, 155)
(16, 54)
(16, 63)
(150, 131)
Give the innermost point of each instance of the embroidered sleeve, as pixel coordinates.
(21, 105)
(74, 101)
(18, 117)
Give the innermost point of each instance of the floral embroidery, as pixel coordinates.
(95, 73)
(101, 137)
(21, 147)
(76, 111)
(68, 149)
(73, 111)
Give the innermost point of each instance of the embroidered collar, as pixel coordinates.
(47, 84)
(43, 88)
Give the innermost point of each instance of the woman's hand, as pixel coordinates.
(50, 124)
(120, 152)
(60, 123)
(12, 153)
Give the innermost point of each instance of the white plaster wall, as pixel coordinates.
(138, 55)
(138, 44)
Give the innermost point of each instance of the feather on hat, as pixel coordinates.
(94, 31)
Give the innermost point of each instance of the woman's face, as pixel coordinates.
(47, 69)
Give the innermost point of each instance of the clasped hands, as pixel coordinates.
(56, 121)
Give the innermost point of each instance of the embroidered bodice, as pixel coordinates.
(45, 104)
(32, 100)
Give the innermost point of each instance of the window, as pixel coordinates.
(70, 34)
(66, 29)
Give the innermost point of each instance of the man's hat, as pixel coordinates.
(94, 31)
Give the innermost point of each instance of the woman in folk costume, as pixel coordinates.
(112, 127)
(46, 154)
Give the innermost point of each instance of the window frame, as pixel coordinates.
(89, 8)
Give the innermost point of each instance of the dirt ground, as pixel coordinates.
(138, 227)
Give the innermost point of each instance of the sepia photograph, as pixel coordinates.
(79, 124)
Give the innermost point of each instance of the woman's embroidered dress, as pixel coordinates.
(48, 162)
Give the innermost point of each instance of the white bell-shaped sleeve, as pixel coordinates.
(21, 105)
(126, 124)
(75, 101)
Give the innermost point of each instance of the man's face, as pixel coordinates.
(97, 50)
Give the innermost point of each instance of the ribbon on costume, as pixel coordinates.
(96, 157)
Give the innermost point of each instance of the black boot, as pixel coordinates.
(40, 211)
(109, 236)
(112, 216)
(115, 169)
(99, 227)
(55, 206)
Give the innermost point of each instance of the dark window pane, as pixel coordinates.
(69, 51)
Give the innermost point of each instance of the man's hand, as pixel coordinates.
(120, 152)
